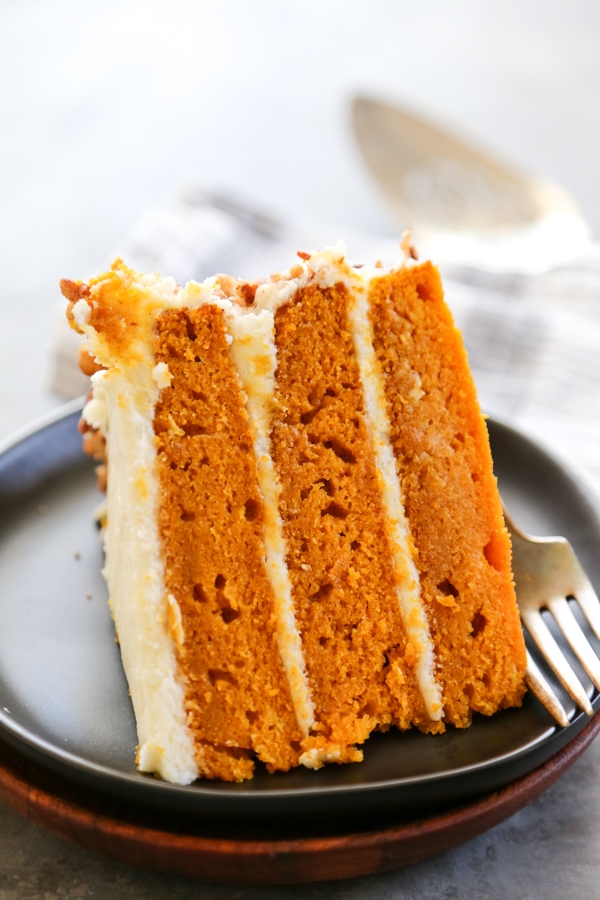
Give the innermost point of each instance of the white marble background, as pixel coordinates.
(107, 107)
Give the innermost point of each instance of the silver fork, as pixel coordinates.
(547, 572)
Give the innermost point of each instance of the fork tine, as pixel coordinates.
(569, 626)
(542, 690)
(589, 603)
(545, 642)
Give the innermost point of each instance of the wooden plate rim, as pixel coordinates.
(105, 828)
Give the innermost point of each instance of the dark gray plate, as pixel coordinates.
(63, 695)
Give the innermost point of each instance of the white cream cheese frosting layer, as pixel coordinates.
(122, 408)
(254, 354)
(398, 530)
(137, 592)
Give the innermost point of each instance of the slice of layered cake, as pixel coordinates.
(305, 540)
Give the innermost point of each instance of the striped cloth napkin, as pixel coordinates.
(533, 341)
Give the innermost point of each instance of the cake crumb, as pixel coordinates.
(448, 601)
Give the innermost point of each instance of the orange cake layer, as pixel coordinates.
(305, 540)
(210, 525)
(444, 463)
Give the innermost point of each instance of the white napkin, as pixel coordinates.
(533, 341)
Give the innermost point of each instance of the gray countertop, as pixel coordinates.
(109, 107)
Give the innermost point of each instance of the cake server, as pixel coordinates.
(464, 206)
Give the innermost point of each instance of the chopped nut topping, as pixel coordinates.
(74, 290)
(101, 477)
(407, 246)
(86, 361)
(94, 444)
(247, 292)
(227, 284)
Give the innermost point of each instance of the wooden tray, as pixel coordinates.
(141, 839)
